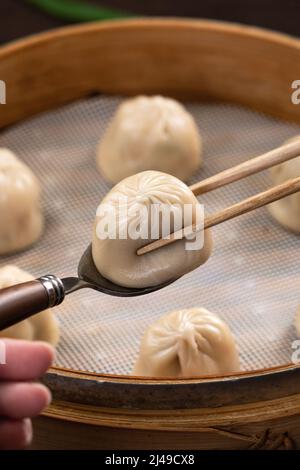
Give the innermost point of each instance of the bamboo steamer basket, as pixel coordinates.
(198, 60)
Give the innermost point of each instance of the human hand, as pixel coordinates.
(20, 397)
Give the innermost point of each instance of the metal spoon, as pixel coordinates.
(24, 300)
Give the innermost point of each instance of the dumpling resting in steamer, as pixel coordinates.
(297, 321)
(287, 210)
(42, 327)
(116, 258)
(150, 133)
(187, 343)
(21, 220)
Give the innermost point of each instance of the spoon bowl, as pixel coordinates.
(88, 273)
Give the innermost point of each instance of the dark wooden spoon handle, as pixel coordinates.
(21, 301)
(24, 300)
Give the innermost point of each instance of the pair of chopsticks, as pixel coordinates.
(238, 172)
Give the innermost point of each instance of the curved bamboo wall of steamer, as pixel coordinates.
(187, 59)
(191, 59)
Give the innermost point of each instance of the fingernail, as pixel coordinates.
(49, 397)
(28, 431)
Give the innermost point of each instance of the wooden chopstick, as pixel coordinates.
(250, 167)
(254, 202)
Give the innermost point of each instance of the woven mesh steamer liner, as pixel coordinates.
(251, 279)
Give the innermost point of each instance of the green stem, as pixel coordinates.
(74, 10)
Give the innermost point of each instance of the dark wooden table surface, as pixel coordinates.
(19, 19)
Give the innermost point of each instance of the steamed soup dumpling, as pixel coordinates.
(42, 327)
(187, 343)
(116, 258)
(287, 210)
(150, 133)
(20, 214)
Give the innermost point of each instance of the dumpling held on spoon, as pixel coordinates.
(138, 210)
(187, 343)
(287, 210)
(21, 219)
(42, 327)
(150, 133)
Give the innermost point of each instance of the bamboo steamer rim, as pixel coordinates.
(228, 29)
(124, 391)
(238, 29)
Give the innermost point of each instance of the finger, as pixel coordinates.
(15, 435)
(23, 400)
(25, 360)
